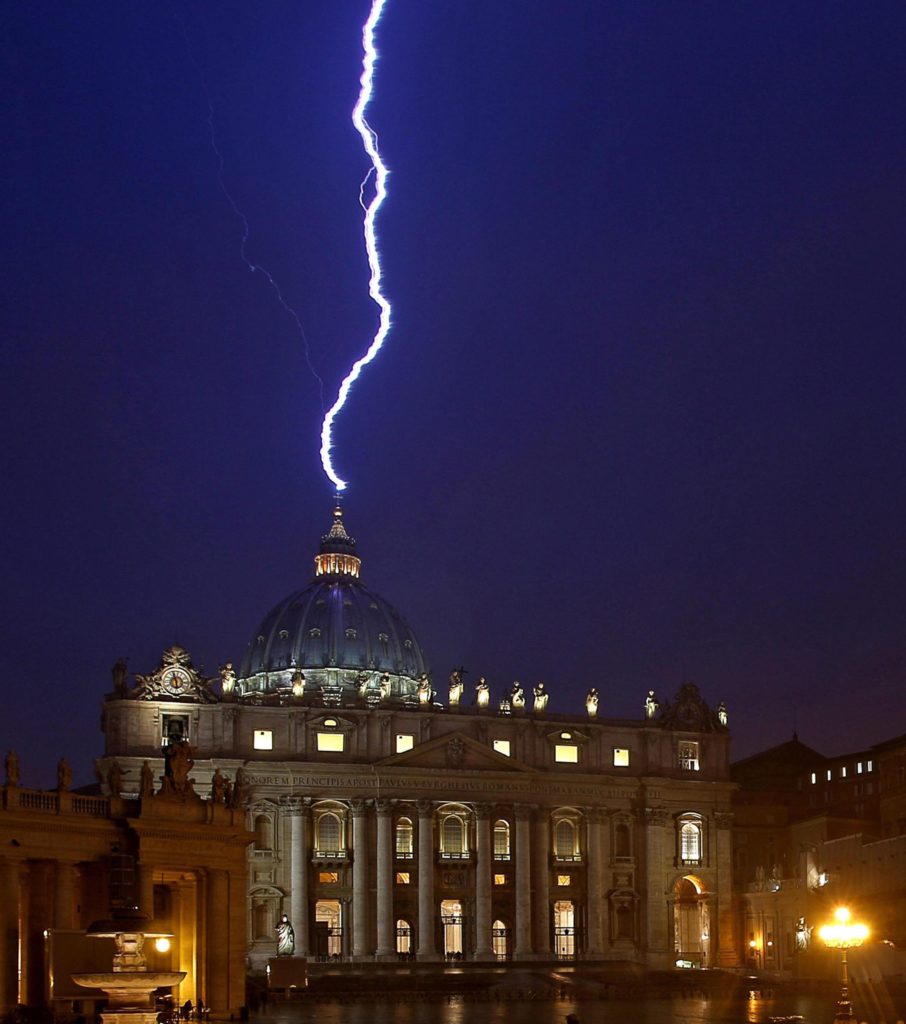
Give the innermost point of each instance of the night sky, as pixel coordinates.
(641, 417)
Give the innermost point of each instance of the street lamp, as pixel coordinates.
(843, 935)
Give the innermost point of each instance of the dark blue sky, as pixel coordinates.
(641, 416)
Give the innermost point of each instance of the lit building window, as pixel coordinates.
(501, 840)
(814, 778)
(566, 753)
(869, 766)
(404, 741)
(329, 836)
(566, 844)
(502, 747)
(690, 842)
(829, 774)
(563, 880)
(620, 757)
(453, 842)
(843, 772)
(331, 742)
(402, 878)
(499, 879)
(263, 739)
(328, 877)
(404, 838)
(687, 755)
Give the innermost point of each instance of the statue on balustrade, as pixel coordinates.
(286, 937)
(12, 769)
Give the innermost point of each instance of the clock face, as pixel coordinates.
(176, 681)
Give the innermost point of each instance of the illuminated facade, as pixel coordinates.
(394, 823)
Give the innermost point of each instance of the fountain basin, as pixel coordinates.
(129, 990)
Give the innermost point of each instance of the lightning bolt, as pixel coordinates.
(379, 172)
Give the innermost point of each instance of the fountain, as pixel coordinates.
(130, 985)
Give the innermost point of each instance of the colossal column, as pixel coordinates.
(63, 901)
(426, 947)
(541, 862)
(299, 858)
(656, 900)
(360, 947)
(9, 934)
(217, 939)
(384, 908)
(484, 949)
(595, 817)
(727, 954)
(523, 880)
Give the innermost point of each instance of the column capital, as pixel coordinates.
(425, 808)
(656, 816)
(383, 805)
(597, 815)
(525, 812)
(296, 806)
(723, 819)
(359, 807)
(483, 812)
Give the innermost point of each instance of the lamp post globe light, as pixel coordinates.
(844, 934)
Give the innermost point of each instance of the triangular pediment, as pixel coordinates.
(454, 752)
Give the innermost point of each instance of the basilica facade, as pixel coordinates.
(399, 819)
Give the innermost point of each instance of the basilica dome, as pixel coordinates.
(343, 638)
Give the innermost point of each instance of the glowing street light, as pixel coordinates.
(843, 935)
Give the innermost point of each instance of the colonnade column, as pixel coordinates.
(145, 888)
(656, 919)
(523, 880)
(359, 879)
(484, 949)
(595, 816)
(217, 940)
(727, 953)
(384, 909)
(426, 945)
(9, 934)
(541, 863)
(63, 896)
(299, 859)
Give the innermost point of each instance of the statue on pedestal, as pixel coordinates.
(12, 769)
(64, 775)
(119, 673)
(286, 937)
(591, 703)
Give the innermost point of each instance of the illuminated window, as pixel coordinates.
(332, 742)
(859, 768)
(499, 879)
(829, 775)
(402, 878)
(404, 838)
(869, 766)
(566, 753)
(501, 840)
(502, 747)
(331, 723)
(691, 842)
(453, 837)
(843, 772)
(566, 846)
(263, 739)
(404, 741)
(328, 877)
(564, 880)
(329, 835)
(814, 778)
(687, 755)
(620, 757)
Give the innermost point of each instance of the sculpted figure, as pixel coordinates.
(298, 683)
(12, 768)
(119, 673)
(482, 693)
(227, 678)
(722, 716)
(115, 779)
(178, 764)
(424, 690)
(385, 687)
(228, 793)
(240, 788)
(591, 703)
(541, 698)
(286, 937)
(517, 696)
(651, 705)
(64, 775)
(363, 684)
(456, 687)
(146, 785)
(218, 783)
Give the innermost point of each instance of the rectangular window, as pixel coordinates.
(563, 880)
(402, 877)
(687, 755)
(404, 741)
(829, 775)
(843, 772)
(869, 766)
(859, 768)
(814, 778)
(620, 757)
(499, 879)
(263, 739)
(502, 747)
(566, 753)
(328, 877)
(330, 741)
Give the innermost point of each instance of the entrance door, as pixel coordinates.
(564, 930)
(451, 919)
(500, 940)
(691, 923)
(328, 929)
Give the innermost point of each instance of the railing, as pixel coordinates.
(53, 802)
(93, 806)
(449, 855)
(331, 855)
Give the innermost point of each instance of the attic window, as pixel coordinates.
(330, 723)
(320, 602)
(315, 632)
(260, 639)
(351, 634)
(373, 606)
(383, 638)
(284, 634)
(407, 644)
(566, 735)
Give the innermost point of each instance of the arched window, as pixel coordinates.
(622, 841)
(501, 840)
(403, 938)
(404, 839)
(691, 842)
(566, 846)
(261, 920)
(453, 836)
(624, 927)
(329, 834)
(264, 832)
